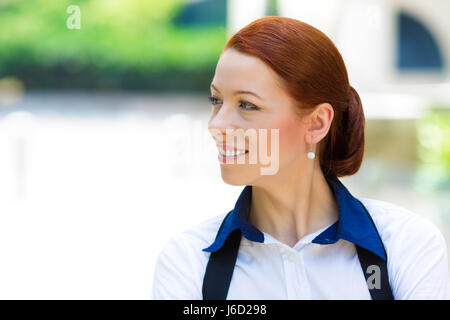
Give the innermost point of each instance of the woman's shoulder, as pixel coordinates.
(393, 220)
(195, 237)
(416, 251)
(181, 263)
(201, 234)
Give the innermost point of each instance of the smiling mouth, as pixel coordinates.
(232, 153)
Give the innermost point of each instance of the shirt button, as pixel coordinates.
(288, 256)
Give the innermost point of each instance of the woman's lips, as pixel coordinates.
(229, 153)
(228, 158)
(228, 147)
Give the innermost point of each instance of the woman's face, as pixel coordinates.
(247, 96)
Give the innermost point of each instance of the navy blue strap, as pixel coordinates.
(369, 259)
(219, 270)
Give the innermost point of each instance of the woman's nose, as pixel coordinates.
(221, 121)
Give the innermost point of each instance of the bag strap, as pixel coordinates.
(368, 259)
(219, 270)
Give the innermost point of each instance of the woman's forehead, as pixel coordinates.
(238, 71)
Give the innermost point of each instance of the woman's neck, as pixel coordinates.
(293, 206)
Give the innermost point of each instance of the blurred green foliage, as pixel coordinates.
(434, 149)
(130, 44)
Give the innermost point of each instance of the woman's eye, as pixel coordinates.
(213, 100)
(242, 104)
(250, 106)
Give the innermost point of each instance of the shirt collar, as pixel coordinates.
(354, 224)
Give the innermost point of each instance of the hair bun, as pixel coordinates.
(347, 159)
(354, 100)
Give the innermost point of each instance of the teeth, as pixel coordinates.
(230, 153)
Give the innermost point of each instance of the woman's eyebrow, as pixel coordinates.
(237, 92)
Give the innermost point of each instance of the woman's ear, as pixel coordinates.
(319, 122)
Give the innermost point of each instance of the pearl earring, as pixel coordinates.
(311, 154)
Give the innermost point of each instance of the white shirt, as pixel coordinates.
(268, 269)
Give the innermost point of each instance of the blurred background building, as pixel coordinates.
(104, 148)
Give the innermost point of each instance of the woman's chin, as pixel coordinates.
(236, 177)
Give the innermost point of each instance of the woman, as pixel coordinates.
(296, 232)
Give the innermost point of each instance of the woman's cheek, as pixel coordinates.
(289, 139)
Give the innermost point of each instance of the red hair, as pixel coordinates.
(313, 72)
